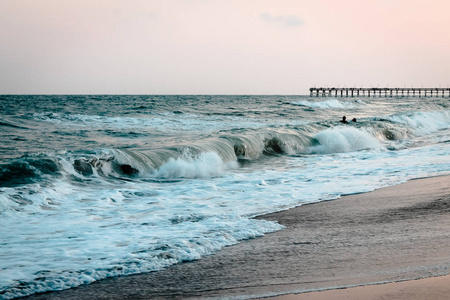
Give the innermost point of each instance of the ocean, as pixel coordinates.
(101, 186)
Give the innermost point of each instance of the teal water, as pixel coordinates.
(100, 186)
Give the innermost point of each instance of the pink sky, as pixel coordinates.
(220, 46)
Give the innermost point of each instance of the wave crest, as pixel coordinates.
(208, 164)
(331, 103)
(343, 139)
(423, 123)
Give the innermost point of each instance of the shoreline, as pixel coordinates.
(395, 288)
(391, 234)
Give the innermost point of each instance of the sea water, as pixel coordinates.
(100, 186)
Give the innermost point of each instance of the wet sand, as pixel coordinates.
(396, 233)
(435, 288)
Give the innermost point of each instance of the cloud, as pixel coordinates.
(284, 20)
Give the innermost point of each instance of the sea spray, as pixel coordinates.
(422, 123)
(343, 139)
(207, 164)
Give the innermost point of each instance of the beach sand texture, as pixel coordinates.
(436, 288)
(392, 234)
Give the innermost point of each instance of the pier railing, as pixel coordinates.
(379, 92)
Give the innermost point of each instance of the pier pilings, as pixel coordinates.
(380, 92)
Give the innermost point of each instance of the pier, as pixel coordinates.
(379, 92)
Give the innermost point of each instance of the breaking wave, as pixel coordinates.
(212, 156)
(344, 139)
(207, 164)
(422, 123)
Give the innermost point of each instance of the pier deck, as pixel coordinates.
(379, 92)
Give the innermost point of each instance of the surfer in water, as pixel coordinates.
(344, 120)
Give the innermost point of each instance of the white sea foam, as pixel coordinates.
(423, 123)
(331, 103)
(206, 165)
(344, 139)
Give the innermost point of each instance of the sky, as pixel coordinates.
(221, 46)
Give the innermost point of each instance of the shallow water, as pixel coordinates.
(100, 186)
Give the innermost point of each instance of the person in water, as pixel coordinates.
(344, 120)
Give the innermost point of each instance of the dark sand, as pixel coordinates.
(397, 233)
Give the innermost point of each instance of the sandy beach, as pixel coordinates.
(435, 288)
(392, 234)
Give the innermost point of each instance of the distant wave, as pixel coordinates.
(11, 125)
(331, 103)
(166, 122)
